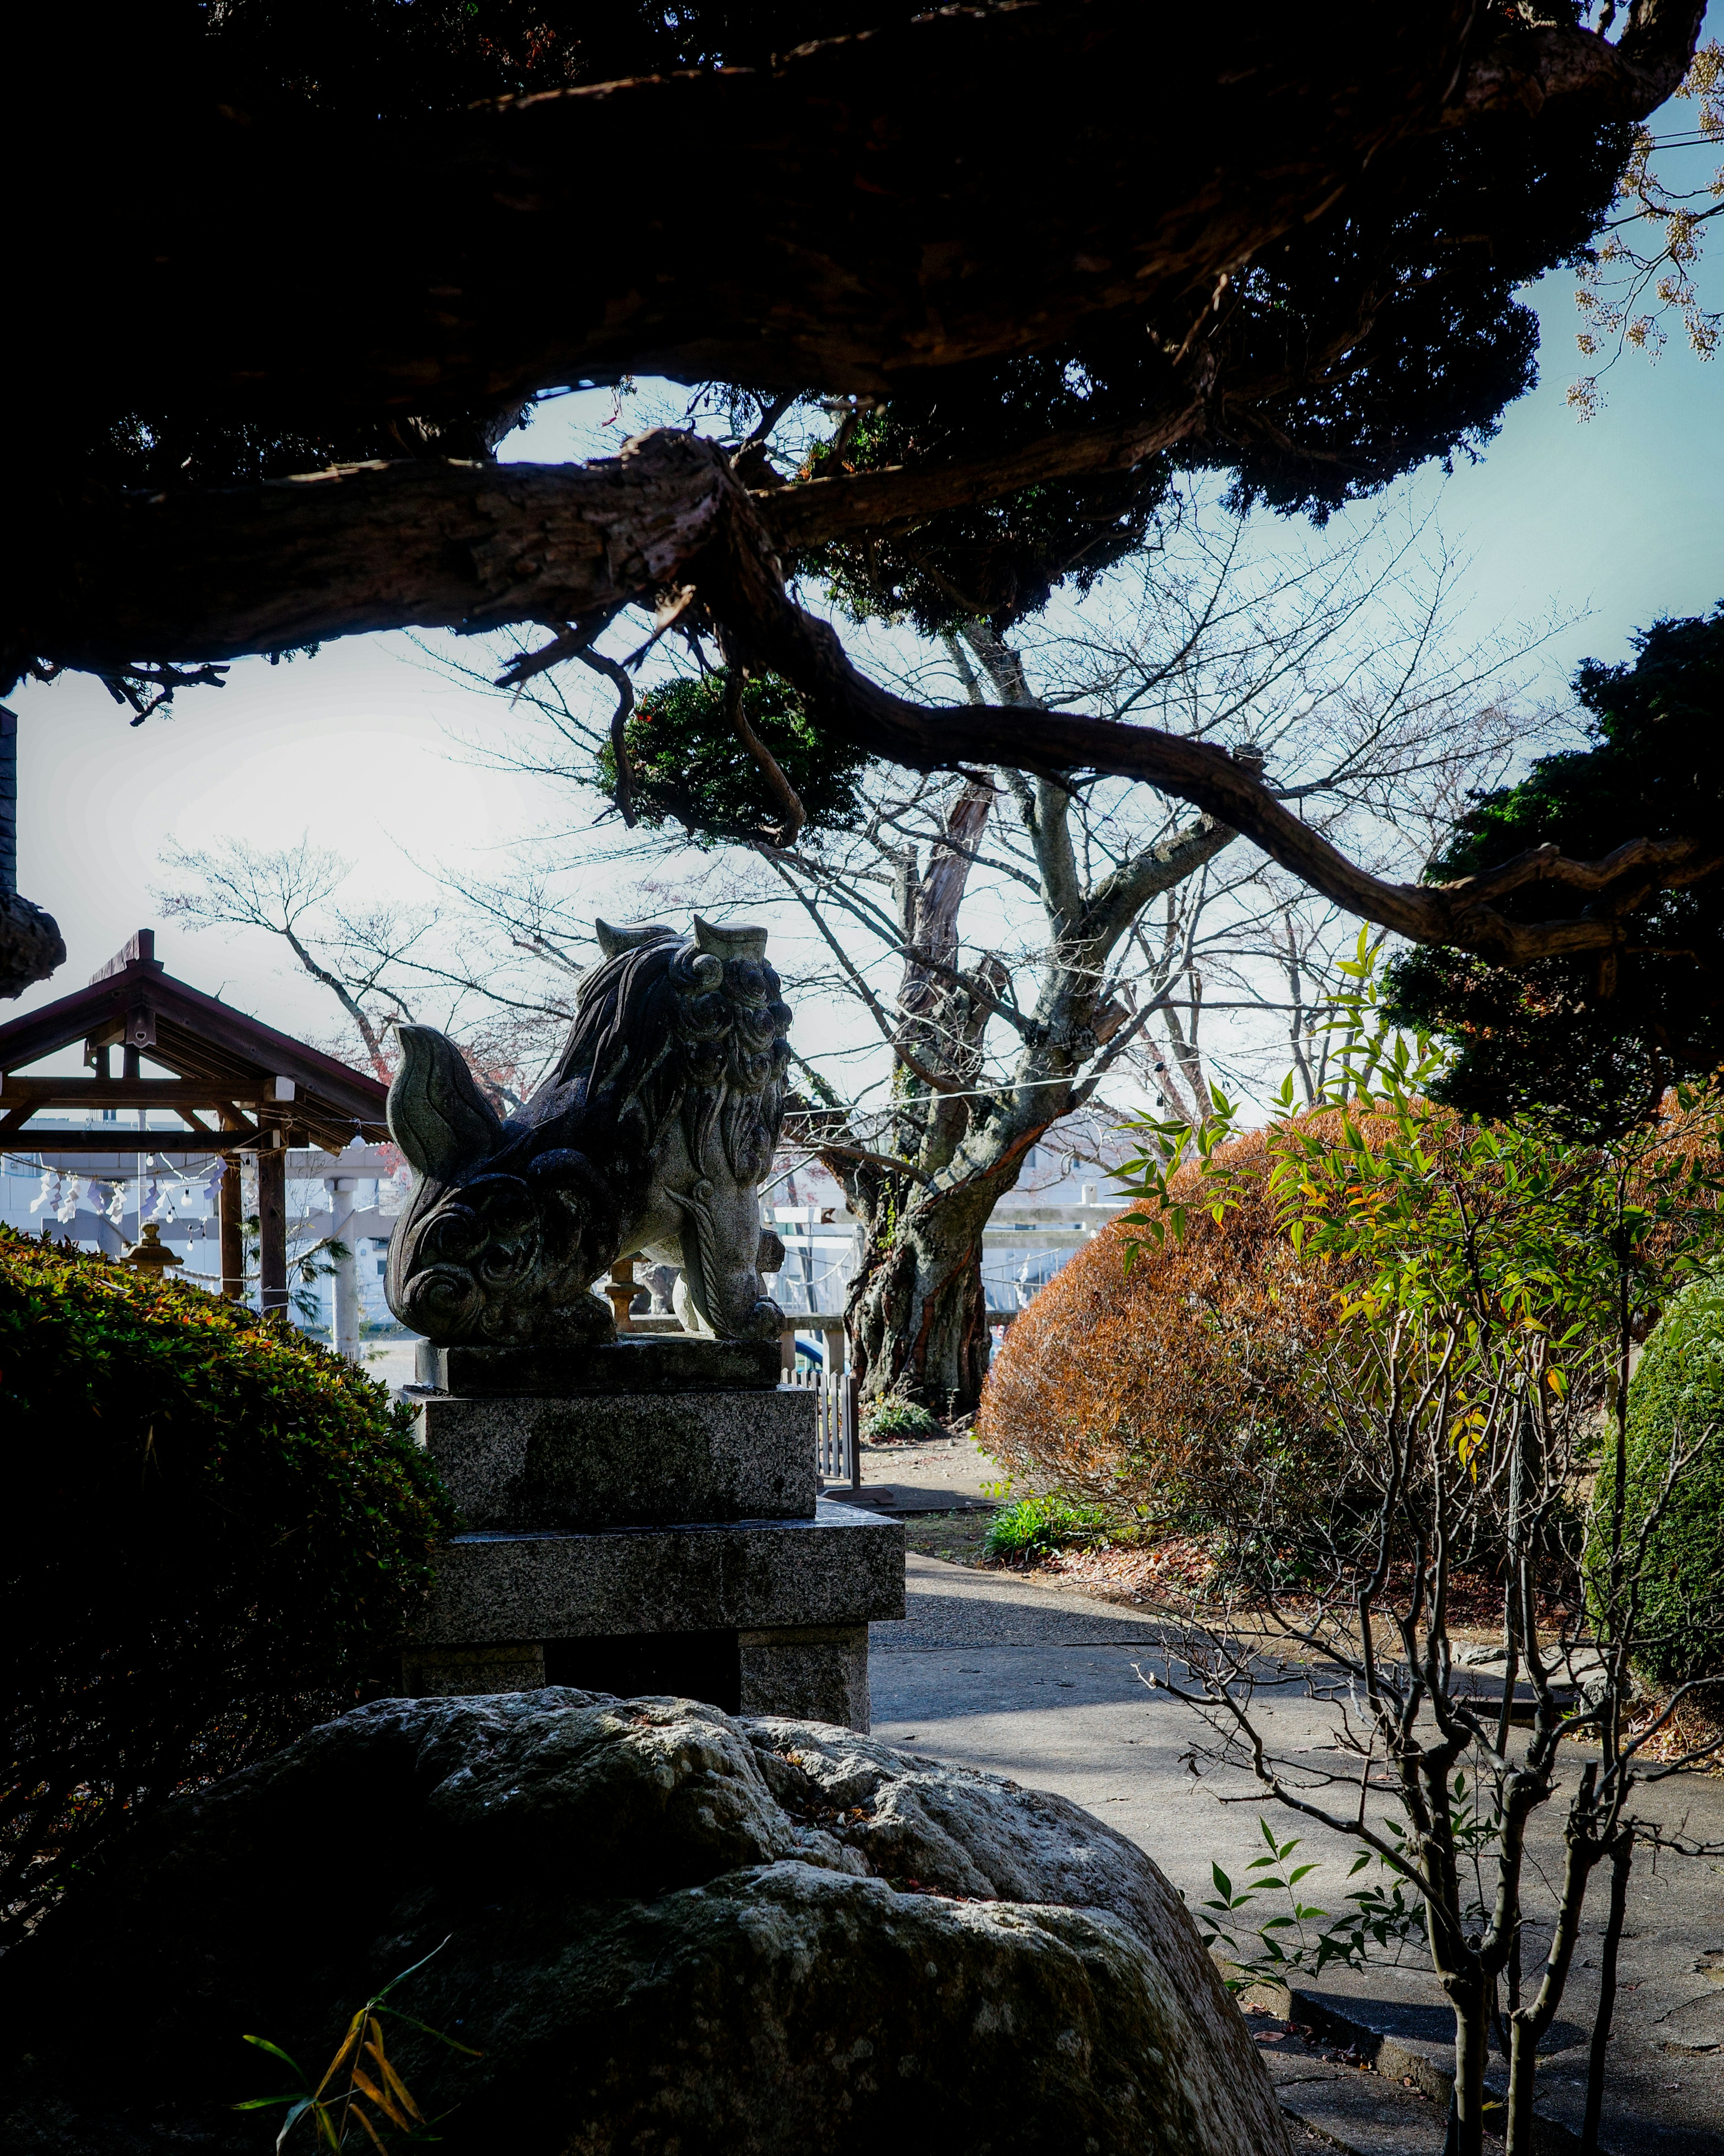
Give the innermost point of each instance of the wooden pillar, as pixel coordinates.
(272, 1228)
(230, 1207)
(621, 1289)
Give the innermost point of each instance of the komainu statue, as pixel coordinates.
(653, 1133)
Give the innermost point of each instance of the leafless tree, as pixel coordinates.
(1017, 939)
(383, 963)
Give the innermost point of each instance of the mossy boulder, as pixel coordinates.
(664, 1929)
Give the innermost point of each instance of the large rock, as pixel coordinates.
(668, 1931)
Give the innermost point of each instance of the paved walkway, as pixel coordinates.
(989, 1671)
(943, 1475)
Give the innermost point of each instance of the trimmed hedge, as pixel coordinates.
(217, 1526)
(1678, 1390)
(1171, 1389)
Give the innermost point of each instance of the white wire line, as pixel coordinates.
(22, 1164)
(27, 1164)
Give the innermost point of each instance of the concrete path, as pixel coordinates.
(940, 1475)
(1336, 2100)
(991, 1671)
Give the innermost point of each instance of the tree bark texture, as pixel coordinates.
(210, 573)
(219, 572)
(918, 1305)
(1622, 1858)
(1472, 2030)
(972, 183)
(918, 1309)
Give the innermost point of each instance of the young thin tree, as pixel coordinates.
(1498, 1279)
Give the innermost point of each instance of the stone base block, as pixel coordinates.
(620, 1459)
(633, 1362)
(843, 1566)
(463, 1672)
(756, 1616)
(806, 1673)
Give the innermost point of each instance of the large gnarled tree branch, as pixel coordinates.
(739, 580)
(483, 545)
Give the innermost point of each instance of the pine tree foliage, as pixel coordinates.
(1595, 1040)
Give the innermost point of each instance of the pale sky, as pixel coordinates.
(360, 747)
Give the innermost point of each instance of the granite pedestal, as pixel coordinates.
(663, 1535)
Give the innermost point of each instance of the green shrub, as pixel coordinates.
(1677, 1394)
(690, 768)
(1036, 1526)
(216, 1526)
(896, 1418)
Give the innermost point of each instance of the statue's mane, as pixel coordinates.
(667, 1027)
(509, 1222)
(621, 1048)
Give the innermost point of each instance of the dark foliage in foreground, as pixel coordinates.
(1595, 1043)
(1379, 339)
(216, 1527)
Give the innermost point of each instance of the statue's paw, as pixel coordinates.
(583, 1321)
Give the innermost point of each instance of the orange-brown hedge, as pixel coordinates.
(1173, 1388)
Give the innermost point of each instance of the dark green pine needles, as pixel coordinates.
(1595, 1043)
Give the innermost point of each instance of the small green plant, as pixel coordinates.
(893, 1420)
(1034, 1526)
(371, 2084)
(1380, 1917)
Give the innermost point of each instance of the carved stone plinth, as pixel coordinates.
(644, 1363)
(623, 1459)
(641, 1543)
(641, 1511)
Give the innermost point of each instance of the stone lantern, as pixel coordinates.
(150, 1254)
